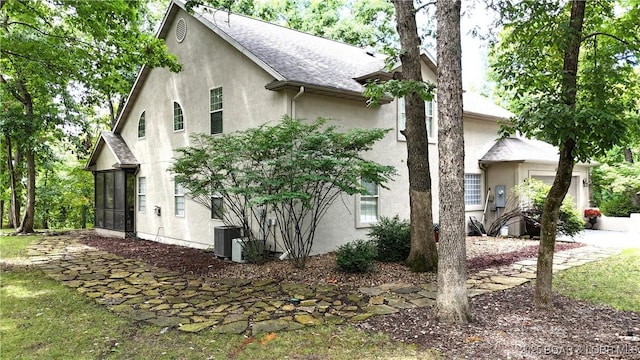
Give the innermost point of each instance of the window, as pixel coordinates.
(472, 189)
(178, 118)
(142, 194)
(402, 117)
(215, 110)
(178, 195)
(369, 203)
(217, 207)
(142, 126)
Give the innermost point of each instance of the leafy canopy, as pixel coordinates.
(527, 64)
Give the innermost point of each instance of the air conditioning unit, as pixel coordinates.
(222, 236)
(241, 249)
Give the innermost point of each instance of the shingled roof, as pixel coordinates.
(119, 149)
(294, 56)
(521, 150)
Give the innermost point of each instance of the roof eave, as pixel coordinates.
(322, 90)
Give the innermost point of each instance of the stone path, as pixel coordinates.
(142, 292)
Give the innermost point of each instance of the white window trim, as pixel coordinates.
(218, 110)
(480, 206)
(139, 194)
(360, 224)
(174, 117)
(401, 111)
(179, 194)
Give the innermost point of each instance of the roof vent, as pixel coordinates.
(181, 30)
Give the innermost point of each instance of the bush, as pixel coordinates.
(356, 256)
(570, 221)
(618, 205)
(392, 237)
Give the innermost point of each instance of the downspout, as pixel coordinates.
(286, 253)
(293, 102)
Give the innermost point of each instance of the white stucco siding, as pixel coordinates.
(104, 159)
(208, 62)
(340, 223)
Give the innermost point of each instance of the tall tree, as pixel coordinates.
(423, 255)
(57, 55)
(564, 65)
(452, 304)
(328, 19)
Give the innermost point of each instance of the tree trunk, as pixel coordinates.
(1, 214)
(14, 208)
(452, 304)
(26, 226)
(423, 255)
(542, 295)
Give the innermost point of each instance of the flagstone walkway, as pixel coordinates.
(142, 292)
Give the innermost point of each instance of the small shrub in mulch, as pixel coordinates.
(356, 256)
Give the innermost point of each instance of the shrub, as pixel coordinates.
(570, 221)
(618, 205)
(356, 256)
(392, 237)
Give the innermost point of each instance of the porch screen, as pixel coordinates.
(114, 200)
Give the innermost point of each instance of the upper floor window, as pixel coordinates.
(178, 118)
(215, 110)
(402, 117)
(178, 196)
(472, 189)
(142, 126)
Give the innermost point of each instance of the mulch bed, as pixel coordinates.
(320, 269)
(507, 326)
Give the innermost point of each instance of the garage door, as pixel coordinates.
(573, 188)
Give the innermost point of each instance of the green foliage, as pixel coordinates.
(533, 194)
(392, 237)
(356, 256)
(292, 170)
(618, 205)
(375, 90)
(58, 60)
(527, 65)
(615, 186)
(360, 22)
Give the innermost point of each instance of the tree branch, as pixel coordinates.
(606, 34)
(13, 91)
(419, 8)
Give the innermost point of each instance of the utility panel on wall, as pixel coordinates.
(501, 196)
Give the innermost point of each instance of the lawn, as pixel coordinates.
(42, 319)
(614, 282)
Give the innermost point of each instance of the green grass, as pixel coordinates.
(15, 246)
(614, 282)
(42, 319)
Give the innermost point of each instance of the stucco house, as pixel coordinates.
(240, 72)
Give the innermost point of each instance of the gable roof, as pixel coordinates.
(119, 149)
(521, 150)
(292, 57)
(475, 104)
